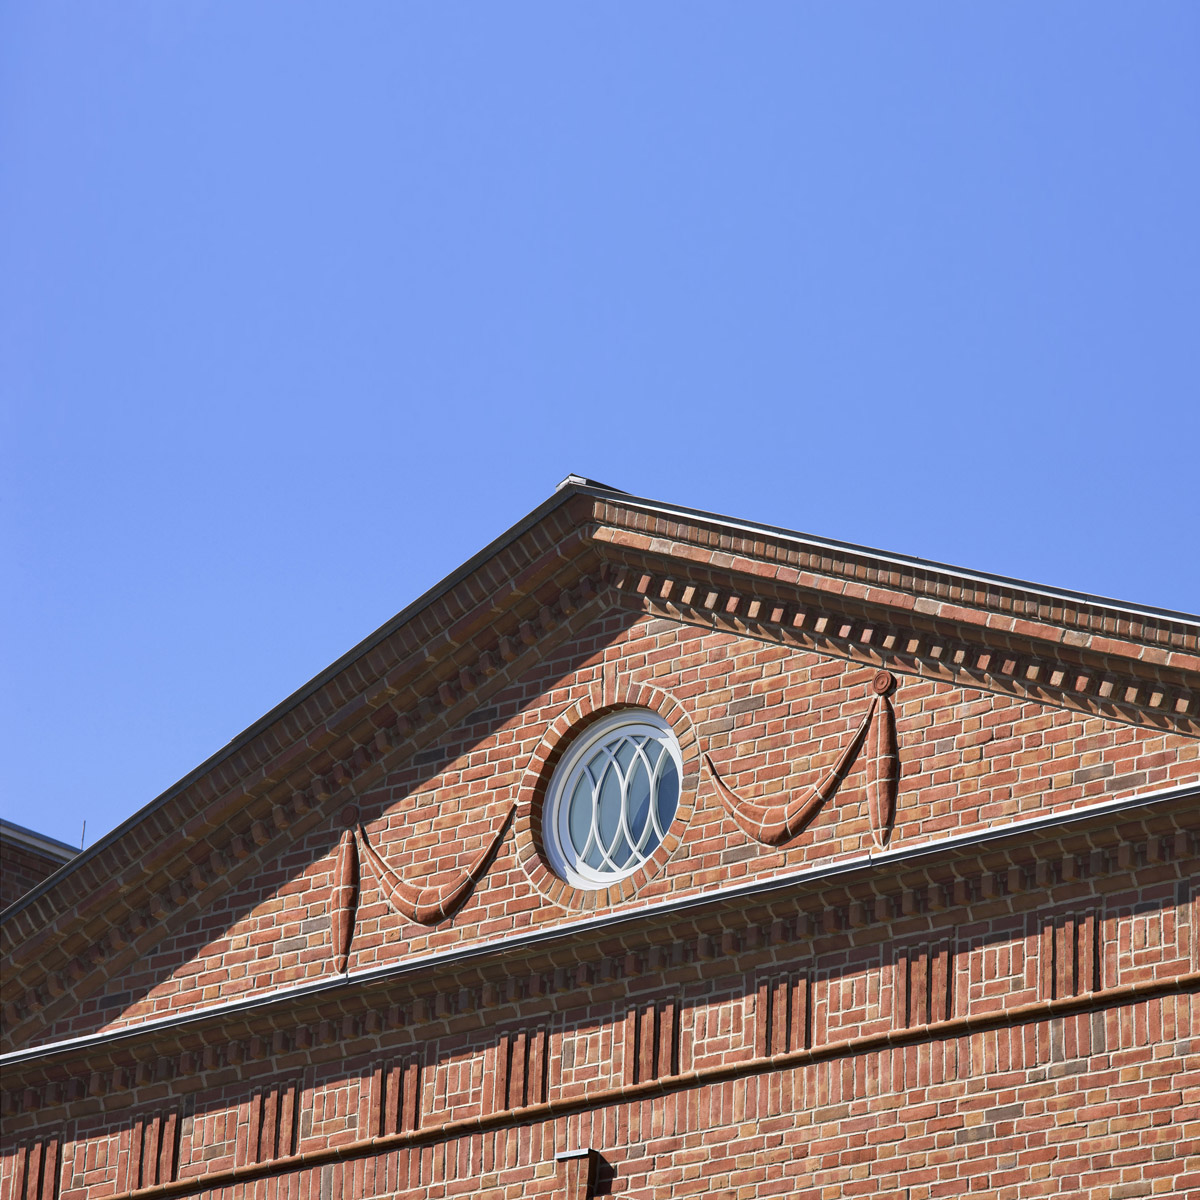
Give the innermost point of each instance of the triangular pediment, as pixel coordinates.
(426, 747)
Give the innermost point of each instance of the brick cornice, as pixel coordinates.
(1050, 663)
(893, 581)
(1038, 862)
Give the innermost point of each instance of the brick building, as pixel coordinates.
(650, 854)
(26, 858)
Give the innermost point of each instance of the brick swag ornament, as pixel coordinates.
(422, 905)
(430, 905)
(343, 903)
(776, 822)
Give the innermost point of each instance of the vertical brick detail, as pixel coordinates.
(651, 1042)
(783, 1018)
(517, 1072)
(397, 1097)
(1189, 914)
(924, 984)
(274, 1117)
(37, 1170)
(1069, 956)
(578, 1175)
(154, 1149)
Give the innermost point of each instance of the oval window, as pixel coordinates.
(612, 798)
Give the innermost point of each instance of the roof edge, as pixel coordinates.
(298, 696)
(10, 831)
(805, 539)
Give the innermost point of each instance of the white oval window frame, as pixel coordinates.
(565, 777)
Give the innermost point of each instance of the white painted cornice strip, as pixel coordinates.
(905, 855)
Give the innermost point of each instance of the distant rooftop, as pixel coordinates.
(10, 831)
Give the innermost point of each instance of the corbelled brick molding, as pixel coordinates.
(923, 817)
(1033, 866)
(1078, 672)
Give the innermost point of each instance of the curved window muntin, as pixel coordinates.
(592, 764)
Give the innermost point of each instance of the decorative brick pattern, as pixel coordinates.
(651, 1042)
(273, 1123)
(923, 989)
(32, 1170)
(153, 1150)
(517, 1070)
(398, 1096)
(1070, 957)
(783, 1016)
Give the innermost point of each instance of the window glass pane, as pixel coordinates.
(624, 750)
(579, 813)
(608, 806)
(667, 799)
(637, 816)
(621, 852)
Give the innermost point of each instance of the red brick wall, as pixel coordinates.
(21, 868)
(1101, 1101)
(969, 1025)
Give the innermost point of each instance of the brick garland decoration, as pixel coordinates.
(430, 905)
(775, 823)
(883, 761)
(344, 901)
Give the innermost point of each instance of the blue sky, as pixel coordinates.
(300, 305)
